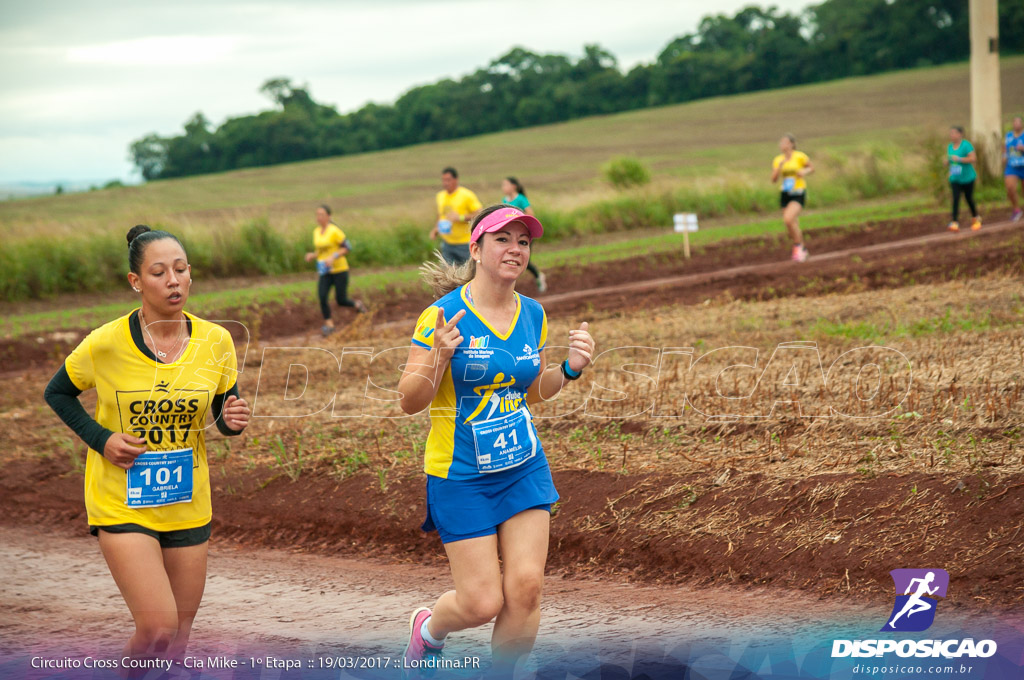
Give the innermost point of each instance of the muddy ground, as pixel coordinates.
(828, 535)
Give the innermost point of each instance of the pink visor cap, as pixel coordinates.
(499, 218)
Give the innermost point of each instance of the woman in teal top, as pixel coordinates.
(960, 158)
(515, 195)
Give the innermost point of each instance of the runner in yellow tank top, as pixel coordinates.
(790, 168)
(157, 372)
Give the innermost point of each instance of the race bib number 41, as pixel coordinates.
(160, 478)
(505, 442)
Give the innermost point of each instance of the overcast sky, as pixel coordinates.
(80, 80)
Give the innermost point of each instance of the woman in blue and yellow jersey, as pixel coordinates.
(330, 247)
(790, 168)
(157, 372)
(478, 360)
(1013, 165)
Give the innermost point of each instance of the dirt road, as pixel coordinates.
(57, 592)
(57, 598)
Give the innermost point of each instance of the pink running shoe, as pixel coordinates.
(420, 656)
(799, 253)
(1017, 214)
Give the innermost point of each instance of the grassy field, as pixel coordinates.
(870, 137)
(25, 318)
(714, 138)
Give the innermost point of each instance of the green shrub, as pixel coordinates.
(406, 243)
(260, 250)
(624, 172)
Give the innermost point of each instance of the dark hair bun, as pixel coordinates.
(135, 231)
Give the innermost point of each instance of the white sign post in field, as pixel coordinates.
(685, 223)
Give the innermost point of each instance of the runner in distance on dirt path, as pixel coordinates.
(330, 248)
(1013, 166)
(478, 360)
(515, 195)
(456, 206)
(960, 157)
(790, 168)
(157, 372)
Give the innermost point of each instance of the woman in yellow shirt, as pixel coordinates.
(157, 372)
(330, 246)
(791, 167)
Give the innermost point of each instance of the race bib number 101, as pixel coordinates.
(160, 478)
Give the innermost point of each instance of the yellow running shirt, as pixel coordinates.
(464, 202)
(164, 403)
(327, 243)
(792, 182)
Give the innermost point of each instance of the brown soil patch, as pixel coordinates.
(835, 534)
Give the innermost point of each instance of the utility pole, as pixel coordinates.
(986, 93)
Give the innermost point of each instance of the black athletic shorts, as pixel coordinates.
(182, 538)
(785, 198)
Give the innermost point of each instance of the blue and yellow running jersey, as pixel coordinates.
(479, 420)
(1014, 156)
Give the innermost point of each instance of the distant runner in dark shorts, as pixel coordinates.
(960, 157)
(790, 168)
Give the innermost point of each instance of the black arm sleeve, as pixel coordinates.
(347, 244)
(62, 396)
(218, 411)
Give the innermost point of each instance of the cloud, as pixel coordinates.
(155, 51)
(77, 71)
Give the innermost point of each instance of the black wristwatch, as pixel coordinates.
(568, 372)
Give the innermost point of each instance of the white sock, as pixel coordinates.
(427, 637)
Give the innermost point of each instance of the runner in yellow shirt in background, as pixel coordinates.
(790, 168)
(330, 246)
(456, 206)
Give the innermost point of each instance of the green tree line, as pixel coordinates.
(756, 48)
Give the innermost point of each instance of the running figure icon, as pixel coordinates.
(917, 593)
(915, 604)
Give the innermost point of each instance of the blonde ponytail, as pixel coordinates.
(443, 277)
